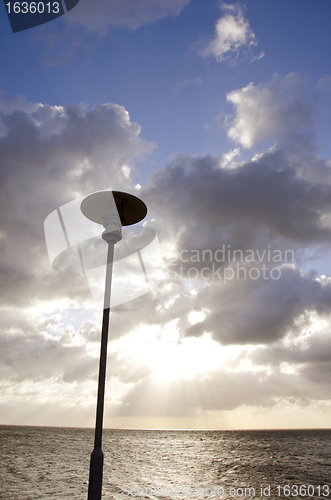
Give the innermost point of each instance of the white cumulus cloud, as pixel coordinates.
(278, 109)
(232, 31)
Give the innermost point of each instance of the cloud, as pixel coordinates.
(97, 19)
(232, 32)
(268, 310)
(250, 341)
(324, 83)
(278, 110)
(270, 203)
(123, 13)
(260, 205)
(262, 200)
(50, 155)
(18, 103)
(310, 356)
(35, 356)
(293, 372)
(222, 391)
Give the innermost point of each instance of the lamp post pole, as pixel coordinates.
(112, 209)
(96, 462)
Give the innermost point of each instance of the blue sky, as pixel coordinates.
(217, 115)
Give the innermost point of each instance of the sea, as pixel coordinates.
(53, 463)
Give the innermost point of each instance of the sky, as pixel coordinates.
(217, 116)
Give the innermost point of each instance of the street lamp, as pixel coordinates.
(112, 209)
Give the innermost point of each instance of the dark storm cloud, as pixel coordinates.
(311, 357)
(259, 200)
(262, 204)
(263, 311)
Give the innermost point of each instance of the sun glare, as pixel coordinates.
(196, 317)
(167, 355)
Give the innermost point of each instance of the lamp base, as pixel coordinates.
(95, 479)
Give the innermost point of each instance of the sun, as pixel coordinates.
(167, 355)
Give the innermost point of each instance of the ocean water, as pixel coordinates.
(47, 463)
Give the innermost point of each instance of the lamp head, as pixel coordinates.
(98, 206)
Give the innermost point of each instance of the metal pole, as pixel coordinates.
(112, 213)
(96, 462)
